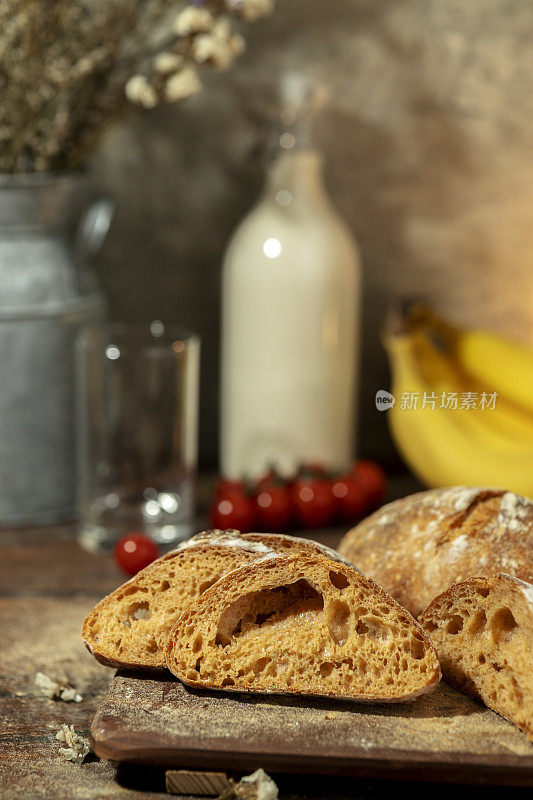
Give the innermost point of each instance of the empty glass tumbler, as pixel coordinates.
(137, 419)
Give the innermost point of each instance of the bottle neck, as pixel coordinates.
(296, 176)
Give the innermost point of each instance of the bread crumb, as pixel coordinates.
(55, 690)
(265, 788)
(78, 746)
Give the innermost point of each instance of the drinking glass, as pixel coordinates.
(137, 418)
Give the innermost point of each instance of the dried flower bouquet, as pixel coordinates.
(71, 68)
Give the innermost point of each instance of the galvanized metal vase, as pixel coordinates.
(47, 292)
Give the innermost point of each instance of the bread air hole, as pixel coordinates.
(478, 622)
(339, 621)
(129, 591)
(266, 607)
(260, 665)
(139, 610)
(502, 624)
(373, 628)
(207, 584)
(417, 647)
(455, 624)
(338, 580)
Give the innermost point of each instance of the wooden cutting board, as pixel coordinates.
(443, 737)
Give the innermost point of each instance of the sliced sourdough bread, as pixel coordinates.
(129, 627)
(482, 630)
(302, 624)
(418, 546)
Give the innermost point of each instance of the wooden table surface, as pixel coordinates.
(47, 586)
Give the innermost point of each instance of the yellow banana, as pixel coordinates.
(498, 362)
(439, 369)
(444, 446)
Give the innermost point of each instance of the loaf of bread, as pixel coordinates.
(418, 546)
(129, 627)
(482, 629)
(302, 624)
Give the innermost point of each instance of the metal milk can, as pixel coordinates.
(47, 292)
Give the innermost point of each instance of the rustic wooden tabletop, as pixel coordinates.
(47, 586)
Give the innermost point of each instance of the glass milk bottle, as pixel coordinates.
(290, 323)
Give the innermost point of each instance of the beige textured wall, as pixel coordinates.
(429, 147)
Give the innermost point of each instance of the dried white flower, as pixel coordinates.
(222, 29)
(60, 93)
(165, 63)
(182, 84)
(55, 690)
(219, 47)
(70, 695)
(140, 91)
(77, 746)
(238, 44)
(193, 20)
(250, 10)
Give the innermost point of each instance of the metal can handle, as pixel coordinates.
(92, 229)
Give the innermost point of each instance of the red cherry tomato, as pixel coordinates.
(351, 500)
(273, 505)
(233, 510)
(134, 552)
(372, 479)
(314, 503)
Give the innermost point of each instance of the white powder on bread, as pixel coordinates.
(513, 511)
(458, 546)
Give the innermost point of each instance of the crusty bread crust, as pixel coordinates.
(419, 545)
(302, 624)
(129, 627)
(282, 542)
(482, 629)
(279, 542)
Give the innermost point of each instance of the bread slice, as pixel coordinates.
(418, 546)
(482, 629)
(129, 627)
(302, 624)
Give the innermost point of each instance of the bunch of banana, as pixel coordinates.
(464, 404)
